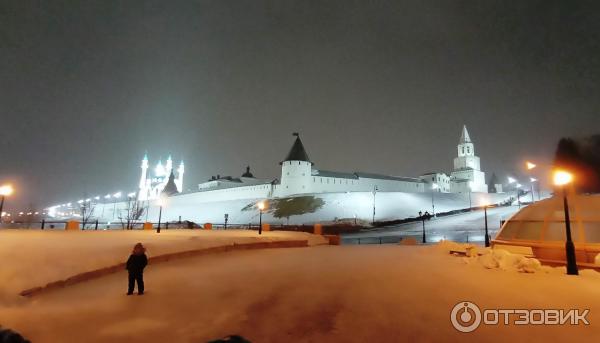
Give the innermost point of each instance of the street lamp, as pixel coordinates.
(487, 235)
(261, 206)
(562, 179)
(422, 217)
(161, 202)
(530, 166)
(374, 194)
(4, 191)
(532, 180)
(518, 187)
(434, 186)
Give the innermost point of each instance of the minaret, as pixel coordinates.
(143, 191)
(169, 165)
(159, 171)
(179, 181)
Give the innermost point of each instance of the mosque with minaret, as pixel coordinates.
(160, 179)
(299, 175)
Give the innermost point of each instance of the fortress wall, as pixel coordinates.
(343, 205)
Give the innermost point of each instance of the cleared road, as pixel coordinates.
(464, 227)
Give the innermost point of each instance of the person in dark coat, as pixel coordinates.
(135, 266)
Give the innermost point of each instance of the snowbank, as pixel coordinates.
(320, 294)
(495, 258)
(33, 257)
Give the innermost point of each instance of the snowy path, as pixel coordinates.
(457, 227)
(318, 294)
(33, 258)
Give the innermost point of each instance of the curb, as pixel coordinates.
(94, 274)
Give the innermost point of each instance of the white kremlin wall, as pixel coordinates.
(200, 208)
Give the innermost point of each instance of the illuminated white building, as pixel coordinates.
(467, 175)
(152, 184)
(299, 176)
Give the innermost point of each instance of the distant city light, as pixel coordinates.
(80, 201)
(107, 196)
(97, 197)
(530, 165)
(511, 180)
(117, 195)
(532, 179)
(131, 195)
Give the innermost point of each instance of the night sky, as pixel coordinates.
(87, 86)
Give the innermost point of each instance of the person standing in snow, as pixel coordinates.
(135, 266)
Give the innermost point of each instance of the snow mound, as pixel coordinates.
(504, 260)
(493, 258)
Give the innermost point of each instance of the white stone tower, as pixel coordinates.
(296, 170)
(169, 165)
(467, 175)
(179, 180)
(143, 190)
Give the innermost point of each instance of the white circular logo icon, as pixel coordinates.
(465, 316)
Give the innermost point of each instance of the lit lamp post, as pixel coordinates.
(261, 206)
(518, 187)
(532, 180)
(562, 179)
(530, 166)
(4, 191)
(434, 187)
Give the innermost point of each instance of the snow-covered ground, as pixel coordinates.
(34, 258)
(318, 294)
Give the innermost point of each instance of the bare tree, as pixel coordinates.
(132, 213)
(86, 209)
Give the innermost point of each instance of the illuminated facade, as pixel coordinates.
(151, 186)
(299, 176)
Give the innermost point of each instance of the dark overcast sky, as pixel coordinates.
(87, 86)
